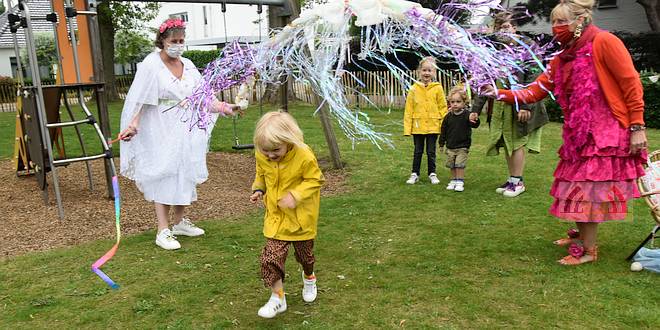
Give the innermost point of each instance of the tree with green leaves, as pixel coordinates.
(44, 44)
(114, 17)
(132, 46)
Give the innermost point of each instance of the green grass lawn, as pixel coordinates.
(388, 255)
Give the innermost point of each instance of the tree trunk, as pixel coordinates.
(272, 94)
(107, 31)
(652, 9)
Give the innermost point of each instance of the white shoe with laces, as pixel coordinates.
(434, 178)
(514, 190)
(166, 240)
(309, 288)
(274, 306)
(460, 186)
(451, 185)
(413, 178)
(187, 228)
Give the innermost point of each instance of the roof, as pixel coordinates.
(38, 8)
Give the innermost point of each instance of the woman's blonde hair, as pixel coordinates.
(460, 90)
(276, 128)
(573, 9)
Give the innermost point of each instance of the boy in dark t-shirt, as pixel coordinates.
(456, 133)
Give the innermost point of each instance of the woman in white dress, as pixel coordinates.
(159, 151)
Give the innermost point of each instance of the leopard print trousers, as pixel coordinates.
(274, 254)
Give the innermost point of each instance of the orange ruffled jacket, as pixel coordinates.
(617, 76)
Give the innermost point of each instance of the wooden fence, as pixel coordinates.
(381, 87)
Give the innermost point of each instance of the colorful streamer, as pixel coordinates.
(314, 48)
(96, 267)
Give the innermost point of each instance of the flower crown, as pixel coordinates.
(172, 23)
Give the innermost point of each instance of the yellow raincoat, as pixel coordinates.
(426, 106)
(298, 173)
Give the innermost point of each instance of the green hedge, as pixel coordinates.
(651, 102)
(201, 58)
(651, 99)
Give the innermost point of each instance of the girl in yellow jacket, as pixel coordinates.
(425, 108)
(289, 180)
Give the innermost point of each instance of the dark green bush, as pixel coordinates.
(201, 58)
(651, 98)
(651, 101)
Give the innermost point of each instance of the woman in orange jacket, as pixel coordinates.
(600, 93)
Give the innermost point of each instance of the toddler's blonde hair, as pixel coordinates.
(460, 90)
(276, 128)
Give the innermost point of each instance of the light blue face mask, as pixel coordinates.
(174, 50)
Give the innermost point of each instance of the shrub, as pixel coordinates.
(201, 58)
(651, 98)
(651, 101)
(644, 49)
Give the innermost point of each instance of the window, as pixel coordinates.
(182, 16)
(603, 4)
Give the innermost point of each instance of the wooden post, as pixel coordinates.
(329, 134)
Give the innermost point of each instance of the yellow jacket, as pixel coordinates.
(426, 106)
(298, 173)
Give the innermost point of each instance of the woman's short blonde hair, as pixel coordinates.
(460, 90)
(276, 128)
(573, 9)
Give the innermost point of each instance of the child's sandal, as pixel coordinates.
(577, 254)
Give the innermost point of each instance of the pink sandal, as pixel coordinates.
(573, 237)
(576, 254)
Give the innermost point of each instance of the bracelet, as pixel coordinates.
(635, 128)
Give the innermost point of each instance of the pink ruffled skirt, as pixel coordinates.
(597, 186)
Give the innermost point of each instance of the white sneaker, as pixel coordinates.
(274, 306)
(309, 288)
(434, 178)
(451, 185)
(514, 190)
(187, 228)
(413, 178)
(501, 189)
(166, 240)
(460, 186)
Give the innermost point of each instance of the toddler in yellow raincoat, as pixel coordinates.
(289, 180)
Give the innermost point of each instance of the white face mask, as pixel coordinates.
(174, 50)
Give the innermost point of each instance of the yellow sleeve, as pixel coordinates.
(259, 181)
(312, 180)
(442, 103)
(407, 114)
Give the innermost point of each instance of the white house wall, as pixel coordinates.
(241, 21)
(5, 65)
